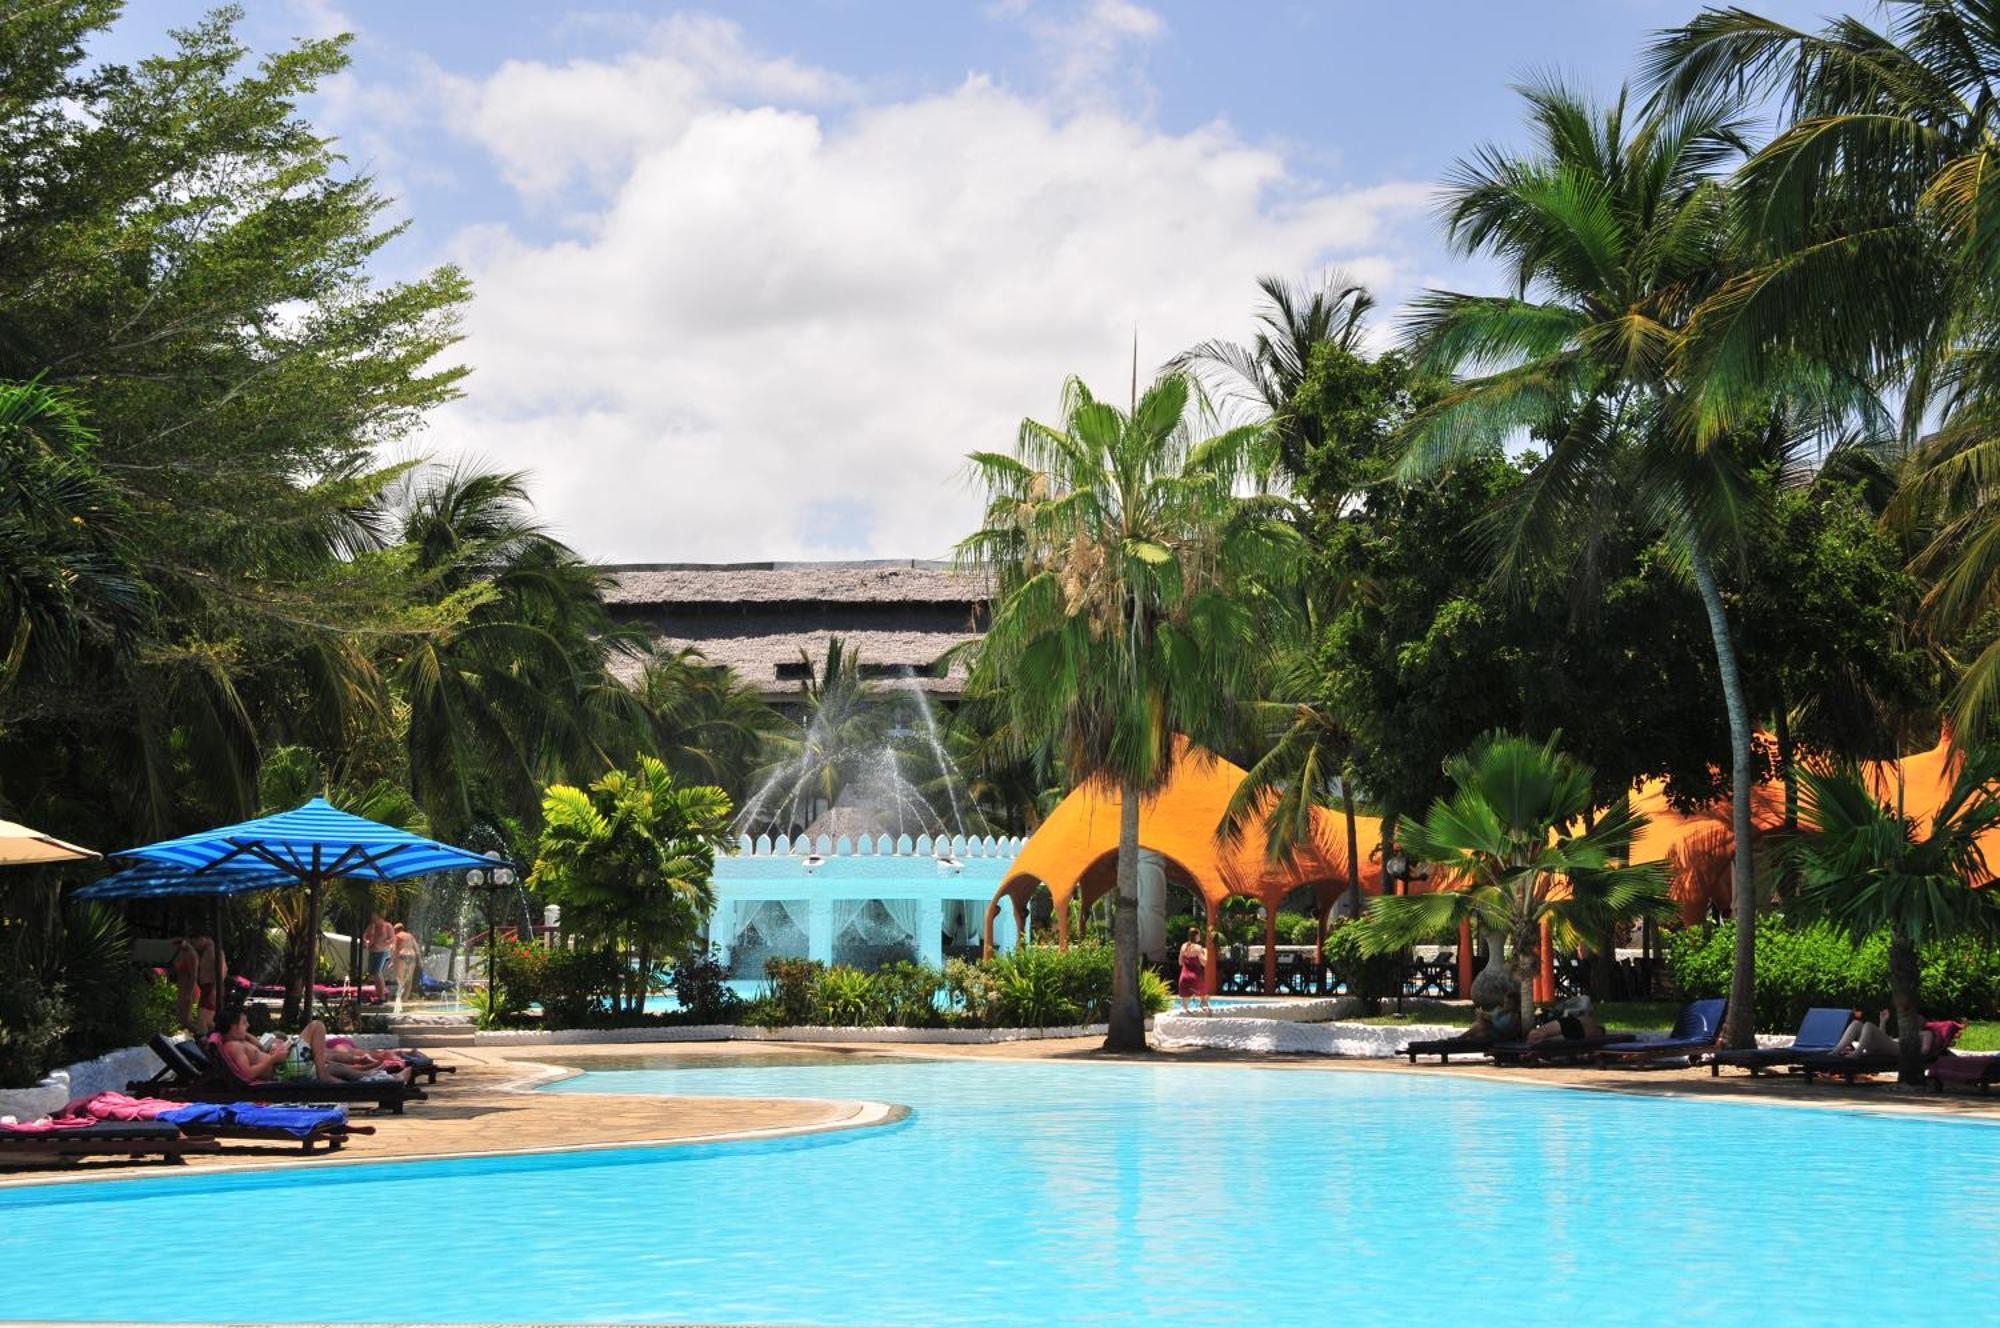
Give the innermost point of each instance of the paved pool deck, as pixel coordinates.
(490, 1107)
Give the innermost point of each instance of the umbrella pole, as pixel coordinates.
(312, 950)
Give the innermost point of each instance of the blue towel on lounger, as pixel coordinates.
(299, 1122)
(197, 1113)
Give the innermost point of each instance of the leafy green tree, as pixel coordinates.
(1864, 866)
(1505, 847)
(631, 859)
(1126, 572)
(1614, 235)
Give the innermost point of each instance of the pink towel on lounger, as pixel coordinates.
(117, 1106)
(48, 1125)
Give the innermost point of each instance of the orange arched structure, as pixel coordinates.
(1076, 850)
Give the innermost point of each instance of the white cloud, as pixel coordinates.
(777, 332)
(1092, 48)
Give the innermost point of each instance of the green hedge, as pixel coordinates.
(1034, 986)
(1800, 967)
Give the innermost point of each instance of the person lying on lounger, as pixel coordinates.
(304, 1057)
(1573, 1020)
(1870, 1037)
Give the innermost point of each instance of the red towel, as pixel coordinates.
(117, 1106)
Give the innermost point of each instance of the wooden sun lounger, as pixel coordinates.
(134, 1139)
(183, 1079)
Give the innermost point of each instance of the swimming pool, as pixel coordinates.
(1023, 1192)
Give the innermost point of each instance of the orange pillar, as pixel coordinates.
(1020, 919)
(1545, 978)
(1062, 925)
(986, 932)
(1465, 958)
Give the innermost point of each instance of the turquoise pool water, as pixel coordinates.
(1024, 1193)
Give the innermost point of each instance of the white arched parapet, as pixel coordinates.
(904, 847)
(743, 844)
(923, 846)
(823, 846)
(958, 846)
(843, 847)
(885, 847)
(782, 846)
(975, 847)
(763, 849)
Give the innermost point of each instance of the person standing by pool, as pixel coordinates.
(1194, 971)
(378, 939)
(198, 968)
(405, 959)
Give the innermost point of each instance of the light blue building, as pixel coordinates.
(861, 901)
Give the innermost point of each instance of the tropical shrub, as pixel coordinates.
(1155, 996)
(521, 972)
(907, 995)
(1296, 929)
(1368, 977)
(1033, 988)
(847, 998)
(794, 993)
(701, 985)
(580, 986)
(971, 994)
(33, 1021)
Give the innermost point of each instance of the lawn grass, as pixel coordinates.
(1983, 1035)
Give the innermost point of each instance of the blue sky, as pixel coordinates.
(753, 277)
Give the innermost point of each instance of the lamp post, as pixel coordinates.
(492, 880)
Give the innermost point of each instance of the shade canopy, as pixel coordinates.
(152, 881)
(23, 846)
(311, 843)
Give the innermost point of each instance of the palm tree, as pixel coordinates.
(1266, 374)
(1614, 235)
(1876, 195)
(1508, 851)
(1865, 867)
(504, 692)
(1125, 573)
(705, 722)
(631, 860)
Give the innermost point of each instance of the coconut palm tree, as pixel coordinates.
(1505, 848)
(1876, 195)
(503, 692)
(704, 721)
(1614, 233)
(1266, 374)
(1126, 573)
(1866, 867)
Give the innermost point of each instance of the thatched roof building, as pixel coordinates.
(757, 617)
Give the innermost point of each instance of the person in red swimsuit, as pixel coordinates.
(1194, 969)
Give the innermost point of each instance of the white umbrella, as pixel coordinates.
(21, 847)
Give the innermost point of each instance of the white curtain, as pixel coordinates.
(868, 933)
(764, 928)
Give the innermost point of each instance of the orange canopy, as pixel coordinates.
(1077, 846)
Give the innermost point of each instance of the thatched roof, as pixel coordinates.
(756, 618)
(886, 581)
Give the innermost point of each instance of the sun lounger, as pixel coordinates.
(1851, 1067)
(310, 1128)
(190, 1075)
(1819, 1032)
(1446, 1048)
(1551, 1050)
(1980, 1072)
(1693, 1036)
(67, 1140)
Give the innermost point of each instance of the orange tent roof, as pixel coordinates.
(1078, 844)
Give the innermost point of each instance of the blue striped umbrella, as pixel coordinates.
(309, 845)
(151, 881)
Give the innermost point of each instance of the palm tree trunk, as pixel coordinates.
(1127, 1030)
(1740, 1029)
(1903, 978)
(1353, 848)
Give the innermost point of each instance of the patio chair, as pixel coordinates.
(1693, 1035)
(1551, 1051)
(1446, 1048)
(311, 1128)
(1818, 1034)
